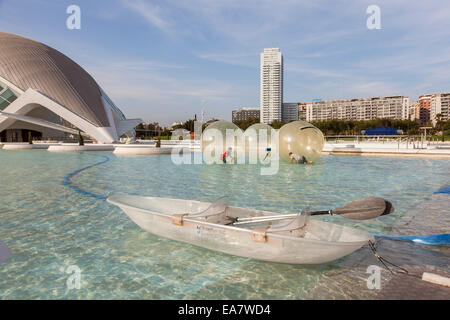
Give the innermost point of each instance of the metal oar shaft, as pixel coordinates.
(281, 217)
(267, 217)
(361, 209)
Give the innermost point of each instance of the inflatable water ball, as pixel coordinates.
(222, 142)
(258, 141)
(302, 139)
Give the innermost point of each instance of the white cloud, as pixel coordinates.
(315, 72)
(237, 59)
(151, 13)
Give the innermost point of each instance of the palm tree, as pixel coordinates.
(439, 123)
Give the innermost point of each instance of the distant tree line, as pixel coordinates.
(244, 124)
(328, 127)
(344, 127)
(187, 125)
(150, 130)
(354, 127)
(442, 125)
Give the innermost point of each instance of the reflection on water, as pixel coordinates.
(49, 227)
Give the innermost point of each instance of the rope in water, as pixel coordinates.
(386, 262)
(68, 182)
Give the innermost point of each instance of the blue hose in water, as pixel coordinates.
(68, 183)
(433, 239)
(444, 190)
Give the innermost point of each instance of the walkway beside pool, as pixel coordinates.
(412, 287)
(350, 274)
(373, 149)
(387, 150)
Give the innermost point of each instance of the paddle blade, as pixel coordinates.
(365, 208)
(389, 208)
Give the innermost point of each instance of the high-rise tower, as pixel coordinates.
(271, 91)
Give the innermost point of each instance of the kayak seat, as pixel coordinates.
(295, 227)
(219, 218)
(215, 213)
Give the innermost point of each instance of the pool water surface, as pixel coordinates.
(50, 221)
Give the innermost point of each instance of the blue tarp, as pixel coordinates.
(380, 131)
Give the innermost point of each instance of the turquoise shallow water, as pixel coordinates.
(49, 226)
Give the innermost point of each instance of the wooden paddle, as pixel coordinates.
(361, 209)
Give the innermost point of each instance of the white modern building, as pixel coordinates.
(393, 107)
(271, 91)
(440, 104)
(45, 92)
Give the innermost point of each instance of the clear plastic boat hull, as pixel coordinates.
(319, 242)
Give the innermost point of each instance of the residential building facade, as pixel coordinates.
(414, 111)
(271, 90)
(289, 112)
(302, 111)
(424, 108)
(440, 104)
(244, 114)
(393, 107)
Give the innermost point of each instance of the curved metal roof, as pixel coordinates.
(30, 64)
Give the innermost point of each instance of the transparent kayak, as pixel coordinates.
(211, 226)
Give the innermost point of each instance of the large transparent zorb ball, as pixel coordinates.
(302, 139)
(223, 142)
(258, 142)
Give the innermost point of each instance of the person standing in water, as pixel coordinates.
(224, 157)
(227, 154)
(268, 150)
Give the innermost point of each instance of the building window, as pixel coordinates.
(6, 98)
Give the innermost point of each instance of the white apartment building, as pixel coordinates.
(271, 91)
(414, 111)
(394, 107)
(289, 112)
(440, 104)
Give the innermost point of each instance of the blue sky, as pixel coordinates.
(163, 60)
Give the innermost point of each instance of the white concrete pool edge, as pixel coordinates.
(337, 149)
